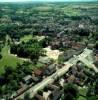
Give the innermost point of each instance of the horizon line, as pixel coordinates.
(43, 1)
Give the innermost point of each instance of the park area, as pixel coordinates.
(12, 60)
(8, 59)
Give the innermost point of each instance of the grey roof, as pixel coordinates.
(52, 66)
(27, 77)
(56, 94)
(44, 60)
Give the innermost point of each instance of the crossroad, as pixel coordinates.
(34, 89)
(88, 63)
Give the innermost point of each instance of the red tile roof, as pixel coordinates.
(37, 72)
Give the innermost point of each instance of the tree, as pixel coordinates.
(45, 42)
(96, 87)
(15, 86)
(70, 92)
(27, 96)
(0, 90)
(92, 98)
(13, 49)
(0, 56)
(8, 70)
(96, 45)
(60, 59)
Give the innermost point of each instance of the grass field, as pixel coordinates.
(8, 59)
(83, 92)
(11, 60)
(81, 98)
(26, 38)
(44, 9)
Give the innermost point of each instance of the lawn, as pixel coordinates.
(26, 38)
(71, 11)
(8, 59)
(11, 60)
(81, 98)
(82, 92)
(43, 9)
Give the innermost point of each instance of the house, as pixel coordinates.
(52, 87)
(46, 95)
(90, 46)
(60, 34)
(81, 75)
(38, 72)
(62, 81)
(78, 46)
(96, 51)
(36, 79)
(96, 57)
(96, 63)
(55, 92)
(48, 32)
(56, 95)
(50, 69)
(27, 80)
(68, 54)
(38, 97)
(55, 44)
(80, 66)
(71, 79)
(45, 60)
(73, 70)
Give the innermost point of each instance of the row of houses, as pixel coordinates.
(78, 74)
(37, 75)
(51, 92)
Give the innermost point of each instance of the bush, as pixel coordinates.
(0, 56)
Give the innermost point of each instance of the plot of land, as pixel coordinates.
(39, 38)
(8, 59)
(26, 38)
(53, 54)
(82, 92)
(81, 98)
(45, 8)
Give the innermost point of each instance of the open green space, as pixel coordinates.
(71, 11)
(12, 60)
(8, 59)
(81, 98)
(26, 38)
(82, 92)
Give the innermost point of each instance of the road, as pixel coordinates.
(34, 89)
(83, 59)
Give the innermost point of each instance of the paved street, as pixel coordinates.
(83, 59)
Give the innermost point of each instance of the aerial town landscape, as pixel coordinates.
(49, 50)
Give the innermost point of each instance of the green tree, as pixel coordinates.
(60, 59)
(27, 96)
(0, 56)
(70, 92)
